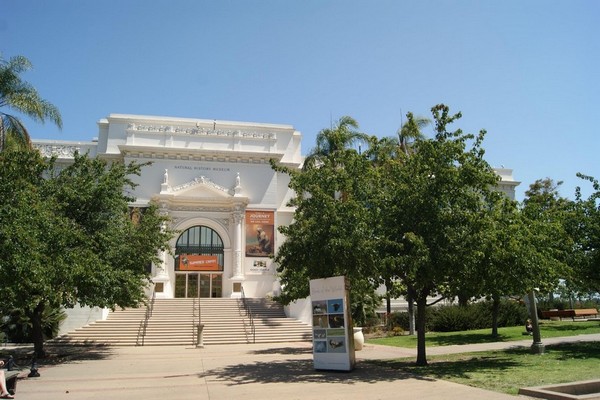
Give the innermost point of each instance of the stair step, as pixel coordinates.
(172, 322)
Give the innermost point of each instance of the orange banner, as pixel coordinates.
(198, 263)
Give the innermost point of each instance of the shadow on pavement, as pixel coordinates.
(302, 371)
(284, 350)
(56, 354)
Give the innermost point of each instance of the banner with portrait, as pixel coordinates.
(260, 233)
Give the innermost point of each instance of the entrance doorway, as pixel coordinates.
(199, 263)
(198, 285)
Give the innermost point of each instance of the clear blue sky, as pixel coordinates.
(526, 71)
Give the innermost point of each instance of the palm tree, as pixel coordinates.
(410, 131)
(390, 147)
(20, 96)
(333, 141)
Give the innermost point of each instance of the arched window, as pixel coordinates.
(199, 241)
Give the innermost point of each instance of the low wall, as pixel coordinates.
(78, 317)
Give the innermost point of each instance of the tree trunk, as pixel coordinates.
(37, 332)
(463, 300)
(495, 310)
(421, 352)
(388, 297)
(411, 314)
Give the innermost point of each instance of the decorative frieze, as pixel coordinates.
(200, 131)
(50, 150)
(201, 180)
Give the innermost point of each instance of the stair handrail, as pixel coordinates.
(196, 327)
(248, 314)
(144, 324)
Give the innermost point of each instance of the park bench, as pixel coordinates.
(585, 312)
(581, 312)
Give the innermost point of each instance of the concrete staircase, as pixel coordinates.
(173, 322)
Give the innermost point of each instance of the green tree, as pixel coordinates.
(332, 232)
(547, 215)
(381, 151)
(411, 131)
(434, 203)
(20, 96)
(513, 262)
(334, 142)
(66, 236)
(585, 228)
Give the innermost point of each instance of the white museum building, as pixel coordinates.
(214, 181)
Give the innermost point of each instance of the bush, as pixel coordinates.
(17, 326)
(454, 318)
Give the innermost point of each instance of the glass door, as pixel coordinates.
(204, 285)
(198, 285)
(180, 285)
(217, 285)
(192, 285)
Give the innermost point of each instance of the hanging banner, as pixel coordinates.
(260, 233)
(188, 262)
(333, 339)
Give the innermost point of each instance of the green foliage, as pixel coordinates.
(66, 236)
(454, 318)
(332, 232)
(585, 229)
(478, 315)
(20, 96)
(549, 245)
(18, 327)
(364, 302)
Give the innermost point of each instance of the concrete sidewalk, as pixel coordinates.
(256, 371)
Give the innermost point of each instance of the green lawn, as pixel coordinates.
(507, 371)
(548, 329)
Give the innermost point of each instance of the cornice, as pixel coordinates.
(172, 153)
(151, 120)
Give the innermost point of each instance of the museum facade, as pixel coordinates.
(214, 181)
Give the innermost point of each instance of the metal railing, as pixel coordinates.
(249, 315)
(197, 326)
(141, 337)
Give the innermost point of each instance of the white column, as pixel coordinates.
(161, 275)
(238, 218)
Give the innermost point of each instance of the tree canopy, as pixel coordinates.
(585, 228)
(415, 216)
(66, 236)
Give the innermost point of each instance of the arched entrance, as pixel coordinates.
(199, 263)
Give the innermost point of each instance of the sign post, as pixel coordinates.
(333, 339)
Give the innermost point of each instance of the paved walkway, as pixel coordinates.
(258, 371)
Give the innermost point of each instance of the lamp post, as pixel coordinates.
(537, 347)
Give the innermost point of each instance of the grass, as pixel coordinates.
(507, 371)
(548, 329)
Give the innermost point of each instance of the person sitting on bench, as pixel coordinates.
(4, 394)
(529, 327)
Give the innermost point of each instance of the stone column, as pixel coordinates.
(238, 218)
(160, 274)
